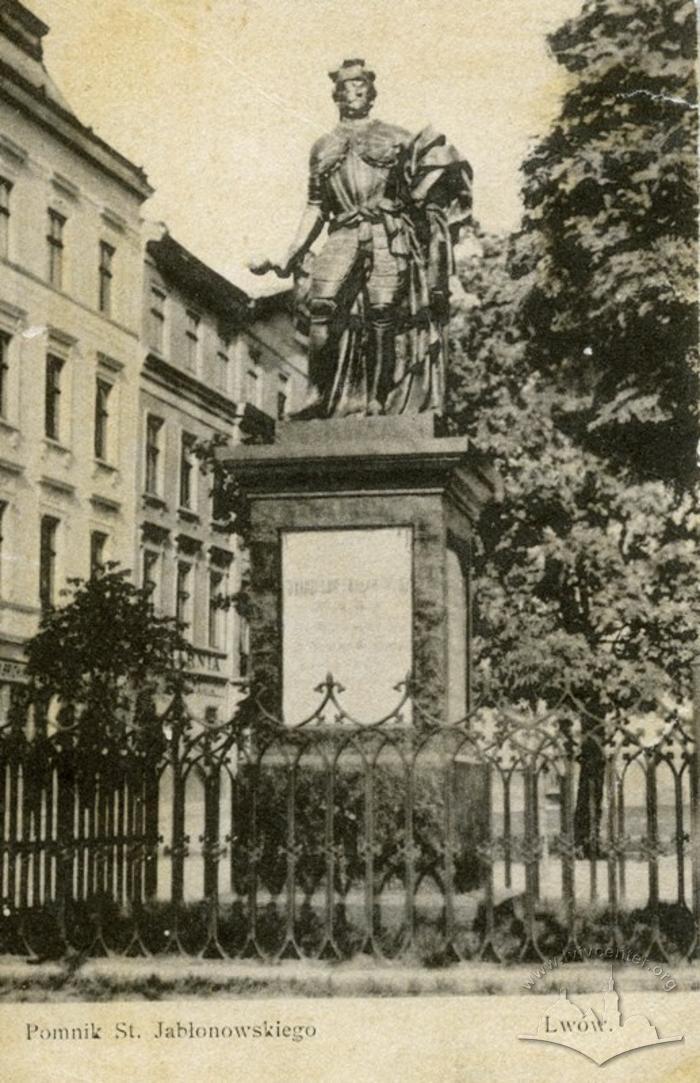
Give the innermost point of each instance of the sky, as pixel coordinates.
(220, 100)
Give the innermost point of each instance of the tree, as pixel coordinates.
(105, 650)
(611, 317)
(231, 507)
(611, 206)
(596, 562)
(585, 575)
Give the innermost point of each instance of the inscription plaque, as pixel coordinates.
(347, 610)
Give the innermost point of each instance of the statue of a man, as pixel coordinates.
(374, 302)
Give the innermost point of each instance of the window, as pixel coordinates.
(98, 545)
(54, 239)
(186, 471)
(151, 575)
(219, 510)
(106, 275)
(3, 510)
(183, 596)
(282, 397)
(47, 561)
(52, 400)
(102, 392)
(157, 321)
(216, 612)
(5, 189)
(222, 367)
(192, 341)
(252, 386)
(154, 429)
(4, 372)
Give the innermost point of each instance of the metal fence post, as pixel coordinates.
(695, 807)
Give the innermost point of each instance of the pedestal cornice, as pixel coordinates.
(364, 456)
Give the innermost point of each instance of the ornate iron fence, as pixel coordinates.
(251, 838)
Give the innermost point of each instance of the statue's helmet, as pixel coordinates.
(351, 69)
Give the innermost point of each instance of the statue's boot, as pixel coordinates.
(315, 404)
(382, 358)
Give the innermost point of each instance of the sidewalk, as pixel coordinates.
(169, 977)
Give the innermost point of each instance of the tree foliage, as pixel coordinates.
(584, 573)
(230, 505)
(575, 369)
(611, 205)
(106, 647)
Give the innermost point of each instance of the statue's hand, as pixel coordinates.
(260, 265)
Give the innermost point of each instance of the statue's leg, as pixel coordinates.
(385, 286)
(382, 356)
(332, 270)
(322, 310)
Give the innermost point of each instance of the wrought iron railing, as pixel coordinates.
(405, 837)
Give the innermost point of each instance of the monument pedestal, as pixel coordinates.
(360, 563)
(360, 567)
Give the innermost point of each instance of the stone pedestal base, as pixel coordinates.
(360, 564)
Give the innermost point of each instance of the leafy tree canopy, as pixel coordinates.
(106, 646)
(611, 206)
(584, 573)
(573, 369)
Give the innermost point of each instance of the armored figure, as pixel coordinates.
(374, 302)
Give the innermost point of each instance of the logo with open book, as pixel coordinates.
(599, 1035)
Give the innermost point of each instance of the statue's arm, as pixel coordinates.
(310, 226)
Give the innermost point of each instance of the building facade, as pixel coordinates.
(120, 354)
(216, 365)
(71, 269)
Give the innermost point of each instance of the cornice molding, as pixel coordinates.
(105, 504)
(68, 129)
(190, 388)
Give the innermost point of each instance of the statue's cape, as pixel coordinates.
(438, 175)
